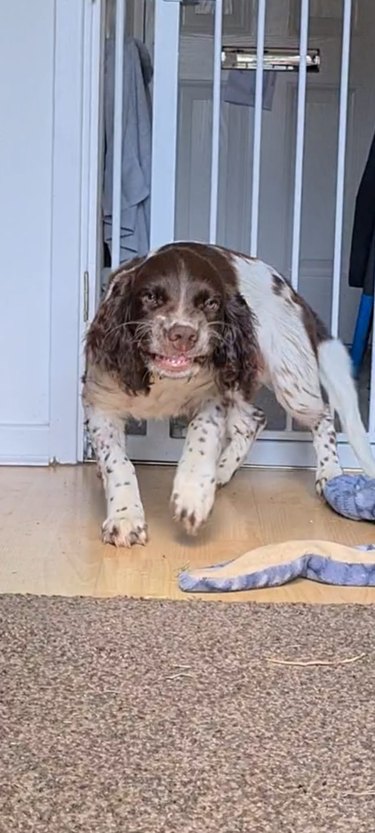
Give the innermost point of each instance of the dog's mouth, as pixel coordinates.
(176, 365)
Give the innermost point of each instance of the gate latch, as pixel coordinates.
(279, 60)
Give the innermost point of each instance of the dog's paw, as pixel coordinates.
(192, 504)
(123, 531)
(226, 468)
(324, 474)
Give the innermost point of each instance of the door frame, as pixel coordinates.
(72, 22)
(91, 176)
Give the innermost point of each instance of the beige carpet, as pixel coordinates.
(151, 717)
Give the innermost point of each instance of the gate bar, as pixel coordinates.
(341, 152)
(300, 141)
(300, 145)
(117, 133)
(164, 112)
(257, 140)
(216, 110)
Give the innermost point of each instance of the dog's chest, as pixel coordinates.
(167, 397)
(172, 397)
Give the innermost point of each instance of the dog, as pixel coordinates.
(194, 330)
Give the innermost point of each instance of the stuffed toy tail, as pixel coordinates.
(336, 377)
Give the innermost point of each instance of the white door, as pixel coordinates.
(279, 181)
(41, 59)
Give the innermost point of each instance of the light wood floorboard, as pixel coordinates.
(50, 537)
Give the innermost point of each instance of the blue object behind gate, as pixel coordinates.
(362, 331)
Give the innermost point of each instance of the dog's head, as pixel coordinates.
(172, 313)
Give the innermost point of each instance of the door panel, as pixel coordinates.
(41, 45)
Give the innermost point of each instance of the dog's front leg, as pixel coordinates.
(125, 523)
(194, 485)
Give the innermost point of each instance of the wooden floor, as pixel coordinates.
(50, 537)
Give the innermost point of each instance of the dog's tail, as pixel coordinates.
(336, 377)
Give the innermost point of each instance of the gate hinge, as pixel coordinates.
(86, 296)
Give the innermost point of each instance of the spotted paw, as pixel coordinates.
(123, 531)
(227, 467)
(319, 485)
(192, 504)
(325, 474)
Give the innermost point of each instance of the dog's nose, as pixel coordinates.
(182, 336)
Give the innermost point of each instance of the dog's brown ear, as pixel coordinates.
(110, 341)
(236, 357)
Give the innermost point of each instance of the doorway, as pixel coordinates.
(262, 115)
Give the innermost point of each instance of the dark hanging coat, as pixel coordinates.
(362, 255)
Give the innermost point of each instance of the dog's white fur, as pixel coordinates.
(222, 432)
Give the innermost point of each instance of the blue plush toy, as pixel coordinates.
(275, 564)
(352, 496)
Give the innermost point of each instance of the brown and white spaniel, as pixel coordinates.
(194, 330)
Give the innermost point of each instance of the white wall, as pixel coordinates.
(40, 106)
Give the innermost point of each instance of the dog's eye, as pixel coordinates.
(211, 305)
(149, 295)
(206, 303)
(152, 298)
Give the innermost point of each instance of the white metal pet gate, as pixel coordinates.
(213, 39)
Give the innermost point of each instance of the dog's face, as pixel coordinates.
(171, 313)
(178, 318)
